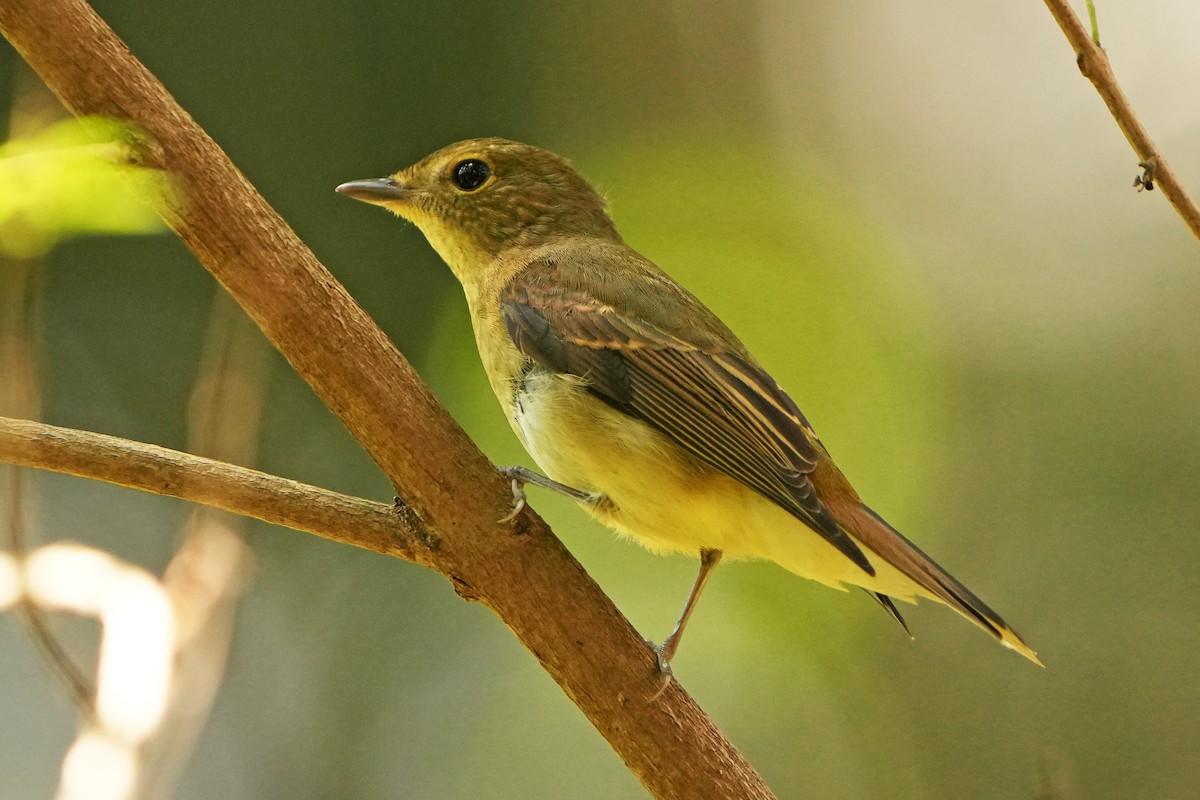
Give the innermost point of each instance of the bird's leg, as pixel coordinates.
(522, 475)
(709, 559)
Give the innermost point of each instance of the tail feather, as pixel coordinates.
(890, 608)
(885, 541)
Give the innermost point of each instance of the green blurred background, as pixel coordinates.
(920, 218)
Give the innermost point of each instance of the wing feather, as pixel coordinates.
(723, 409)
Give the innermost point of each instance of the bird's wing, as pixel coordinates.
(714, 403)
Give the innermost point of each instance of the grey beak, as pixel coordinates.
(375, 190)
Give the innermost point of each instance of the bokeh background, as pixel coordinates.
(919, 216)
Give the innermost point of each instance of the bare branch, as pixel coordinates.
(1093, 63)
(248, 492)
(520, 571)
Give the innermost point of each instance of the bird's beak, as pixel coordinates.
(380, 191)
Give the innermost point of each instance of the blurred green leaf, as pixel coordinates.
(69, 180)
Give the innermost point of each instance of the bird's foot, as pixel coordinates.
(518, 491)
(666, 674)
(523, 475)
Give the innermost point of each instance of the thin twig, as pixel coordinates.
(1093, 63)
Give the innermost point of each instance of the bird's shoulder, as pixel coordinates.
(610, 279)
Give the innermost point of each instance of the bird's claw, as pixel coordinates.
(660, 655)
(664, 668)
(518, 490)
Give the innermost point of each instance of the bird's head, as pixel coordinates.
(479, 197)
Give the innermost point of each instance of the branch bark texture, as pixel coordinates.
(1093, 63)
(520, 571)
(350, 520)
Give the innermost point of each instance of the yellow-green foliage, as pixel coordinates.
(69, 180)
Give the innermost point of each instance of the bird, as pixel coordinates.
(636, 400)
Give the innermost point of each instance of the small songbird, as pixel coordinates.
(633, 398)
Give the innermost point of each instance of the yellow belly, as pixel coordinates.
(650, 489)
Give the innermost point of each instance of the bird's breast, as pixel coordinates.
(644, 485)
(559, 421)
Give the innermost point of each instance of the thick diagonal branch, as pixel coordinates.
(520, 571)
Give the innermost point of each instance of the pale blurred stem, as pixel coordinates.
(520, 571)
(207, 572)
(37, 622)
(1093, 63)
(19, 283)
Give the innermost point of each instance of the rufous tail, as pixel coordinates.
(888, 543)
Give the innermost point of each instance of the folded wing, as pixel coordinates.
(716, 404)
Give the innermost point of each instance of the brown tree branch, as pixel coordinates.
(520, 571)
(1093, 63)
(250, 493)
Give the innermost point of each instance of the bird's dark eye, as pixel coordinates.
(469, 175)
